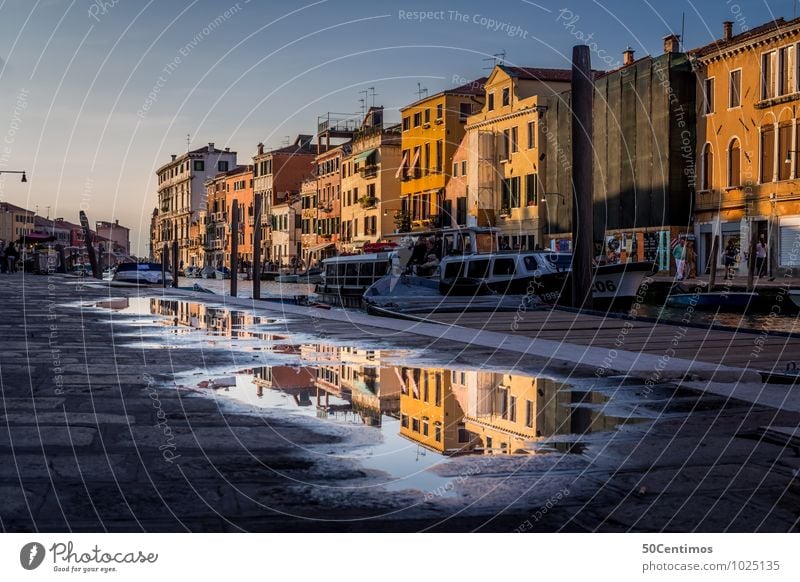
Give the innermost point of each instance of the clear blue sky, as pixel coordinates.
(76, 75)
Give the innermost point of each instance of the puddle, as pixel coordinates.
(424, 415)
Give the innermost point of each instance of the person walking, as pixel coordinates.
(11, 257)
(761, 257)
(729, 257)
(679, 252)
(691, 261)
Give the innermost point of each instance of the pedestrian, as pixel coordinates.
(2, 257)
(729, 258)
(11, 257)
(428, 268)
(761, 257)
(691, 260)
(679, 252)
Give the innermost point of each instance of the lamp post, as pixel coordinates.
(24, 176)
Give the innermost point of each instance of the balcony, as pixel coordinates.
(368, 171)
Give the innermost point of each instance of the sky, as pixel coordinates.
(96, 95)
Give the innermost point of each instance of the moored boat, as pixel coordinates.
(794, 295)
(141, 274)
(722, 300)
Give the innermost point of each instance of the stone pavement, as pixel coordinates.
(96, 435)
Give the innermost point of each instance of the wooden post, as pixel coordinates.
(582, 185)
(164, 257)
(175, 259)
(234, 246)
(257, 248)
(714, 257)
(751, 257)
(89, 239)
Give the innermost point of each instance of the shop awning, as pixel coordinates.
(403, 164)
(316, 248)
(364, 155)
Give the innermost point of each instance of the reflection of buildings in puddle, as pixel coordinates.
(297, 382)
(116, 304)
(214, 320)
(459, 412)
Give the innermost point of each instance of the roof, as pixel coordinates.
(773, 26)
(476, 87)
(538, 73)
(8, 207)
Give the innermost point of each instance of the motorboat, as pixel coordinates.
(193, 272)
(794, 295)
(721, 300)
(208, 272)
(791, 375)
(222, 273)
(142, 274)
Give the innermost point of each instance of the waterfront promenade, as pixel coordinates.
(102, 431)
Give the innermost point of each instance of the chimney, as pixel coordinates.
(227, 149)
(627, 56)
(260, 148)
(173, 157)
(727, 30)
(672, 43)
(116, 222)
(211, 146)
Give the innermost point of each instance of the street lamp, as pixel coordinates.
(24, 177)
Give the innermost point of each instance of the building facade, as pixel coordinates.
(432, 129)
(747, 144)
(182, 193)
(503, 152)
(121, 235)
(15, 222)
(370, 190)
(644, 165)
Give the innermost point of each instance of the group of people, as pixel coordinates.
(8, 257)
(425, 256)
(685, 260)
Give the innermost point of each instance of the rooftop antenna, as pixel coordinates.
(372, 94)
(497, 59)
(188, 141)
(683, 28)
(287, 139)
(48, 212)
(421, 90)
(363, 101)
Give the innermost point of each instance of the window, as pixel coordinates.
(734, 164)
(415, 424)
(417, 119)
(437, 433)
(455, 169)
(406, 123)
(463, 433)
(503, 267)
(198, 166)
(427, 162)
(439, 111)
(786, 70)
(735, 90)
(768, 75)
(490, 102)
(506, 151)
(437, 395)
(514, 140)
(425, 427)
(439, 151)
(404, 420)
(708, 94)
(222, 166)
(427, 116)
(506, 97)
(464, 111)
(767, 153)
(510, 193)
(708, 167)
(464, 167)
(531, 135)
(512, 409)
(531, 190)
(784, 151)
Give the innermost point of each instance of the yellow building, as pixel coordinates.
(503, 161)
(430, 414)
(432, 129)
(748, 175)
(370, 191)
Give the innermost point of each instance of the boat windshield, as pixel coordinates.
(563, 261)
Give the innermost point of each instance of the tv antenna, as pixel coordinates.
(363, 101)
(497, 59)
(188, 141)
(421, 90)
(372, 95)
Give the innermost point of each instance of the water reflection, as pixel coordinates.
(445, 411)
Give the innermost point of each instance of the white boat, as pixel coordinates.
(141, 274)
(208, 272)
(286, 278)
(794, 295)
(223, 273)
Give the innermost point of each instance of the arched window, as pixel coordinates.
(767, 153)
(708, 166)
(734, 164)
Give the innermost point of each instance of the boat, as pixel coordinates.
(208, 272)
(222, 273)
(193, 272)
(286, 278)
(196, 288)
(721, 300)
(142, 274)
(794, 295)
(789, 376)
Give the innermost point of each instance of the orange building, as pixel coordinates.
(222, 190)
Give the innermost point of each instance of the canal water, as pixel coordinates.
(405, 418)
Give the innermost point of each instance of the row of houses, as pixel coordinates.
(700, 143)
(20, 225)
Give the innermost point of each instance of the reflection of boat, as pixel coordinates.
(789, 376)
(141, 274)
(736, 301)
(794, 295)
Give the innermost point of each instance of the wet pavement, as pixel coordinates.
(127, 410)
